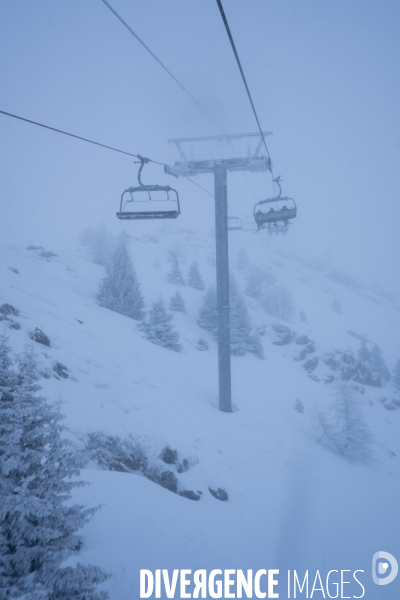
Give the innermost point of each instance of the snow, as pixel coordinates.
(292, 503)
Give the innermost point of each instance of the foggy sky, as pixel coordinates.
(324, 78)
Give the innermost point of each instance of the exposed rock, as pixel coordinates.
(190, 495)
(46, 373)
(35, 248)
(14, 325)
(169, 481)
(117, 467)
(169, 456)
(61, 370)
(311, 364)
(302, 340)
(132, 462)
(47, 254)
(219, 494)
(38, 336)
(14, 270)
(309, 349)
(285, 335)
(9, 309)
(183, 466)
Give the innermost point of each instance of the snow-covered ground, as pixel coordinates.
(293, 503)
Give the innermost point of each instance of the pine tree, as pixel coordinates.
(158, 328)
(242, 260)
(240, 321)
(37, 531)
(242, 339)
(396, 375)
(175, 276)
(120, 290)
(194, 279)
(302, 316)
(100, 242)
(7, 375)
(202, 344)
(342, 427)
(254, 346)
(177, 303)
(207, 317)
(277, 301)
(379, 367)
(255, 281)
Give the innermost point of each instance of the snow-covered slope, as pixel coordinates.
(292, 502)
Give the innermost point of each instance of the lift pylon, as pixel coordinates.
(220, 159)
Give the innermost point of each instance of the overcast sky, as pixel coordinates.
(323, 75)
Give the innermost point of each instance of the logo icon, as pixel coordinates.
(382, 563)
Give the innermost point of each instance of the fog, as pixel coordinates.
(323, 76)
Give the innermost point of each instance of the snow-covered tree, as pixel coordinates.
(379, 367)
(158, 328)
(336, 306)
(370, 367)
(202, 344)
(101, 244)
(303, 316)
(277, 301)
(242, 260)
(194, 278)
(120, 290)
(243, 339)
(396, 375)
(342, 427)
(207, 317)
(7, 375)
(175, 276)
(255, 280)
(38, 532)
(177, 303)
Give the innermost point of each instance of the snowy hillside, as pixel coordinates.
(292, 501)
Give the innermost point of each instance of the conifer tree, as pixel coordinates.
(303, 316)
(396, 375)
(120, 290)
(207, 317)
(256, 280)
(175, 276)
(242, 339)
(177, 303)
(7, 375)
(379, 367)
(37, 531)
(194, 278)
(100, 242)
(342, 427)
(158, 328)
(242, 260)
(277, 300)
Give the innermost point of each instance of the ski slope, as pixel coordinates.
(293, 504)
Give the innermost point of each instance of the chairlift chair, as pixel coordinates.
(234, 223)
(275, 218)
(143, 193)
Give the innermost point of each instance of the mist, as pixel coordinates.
(323, 79)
